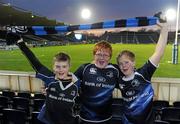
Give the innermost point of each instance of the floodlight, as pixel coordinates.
(170, 14)
(85, 13)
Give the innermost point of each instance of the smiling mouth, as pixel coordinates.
(124, 70)
(60, 74)
(101, 62)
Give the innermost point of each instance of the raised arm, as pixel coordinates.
(35, 63)
(13, 38)
(161, 45)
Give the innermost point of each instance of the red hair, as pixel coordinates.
(103, 45)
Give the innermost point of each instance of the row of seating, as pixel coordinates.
(29, 105)
(21, 103)
(20, 108)
(14, 116)
(11, 94)
(163, 112)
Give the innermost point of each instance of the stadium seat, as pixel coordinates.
(34, 119)
(171, 115)
(38, 103)
(20, 103)
(9, 94)
(13, 116)
(160, 122)
(160, 103)
(117, 113)
(3, 103)
(24, 94)
(39, 96)
(157, 107)
(176, 104)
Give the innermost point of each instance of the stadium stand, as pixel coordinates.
(12, 15)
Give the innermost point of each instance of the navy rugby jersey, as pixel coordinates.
(60, 100)
(61, 94)
(138, 94)
(97, 86)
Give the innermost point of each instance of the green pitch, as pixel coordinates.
(15, 60)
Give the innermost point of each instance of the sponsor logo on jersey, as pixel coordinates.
(52, 89)
(73, 93)
(109, 74)
(61, 94)
(101, 79)
(130, 93)
(93, 71)
(135, 83)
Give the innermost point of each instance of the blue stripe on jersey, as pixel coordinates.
(141, 102)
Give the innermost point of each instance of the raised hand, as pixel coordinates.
(12, 38)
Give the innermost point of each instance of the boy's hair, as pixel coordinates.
(62, 57)
(128, 53)
(102, 45)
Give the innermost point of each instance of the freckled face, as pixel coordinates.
(102, 58)
(126, 65)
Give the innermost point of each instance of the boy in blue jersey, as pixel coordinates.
(62, 85)
(98, 80)
(135, 85)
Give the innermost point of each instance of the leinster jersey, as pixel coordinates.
(138, 94)
(61, 94)
(97, 86)
(60, 100)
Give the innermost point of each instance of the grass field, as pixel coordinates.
(14, 60)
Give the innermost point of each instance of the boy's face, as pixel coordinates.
(61, 69)
(126, 65)
(102, 58)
